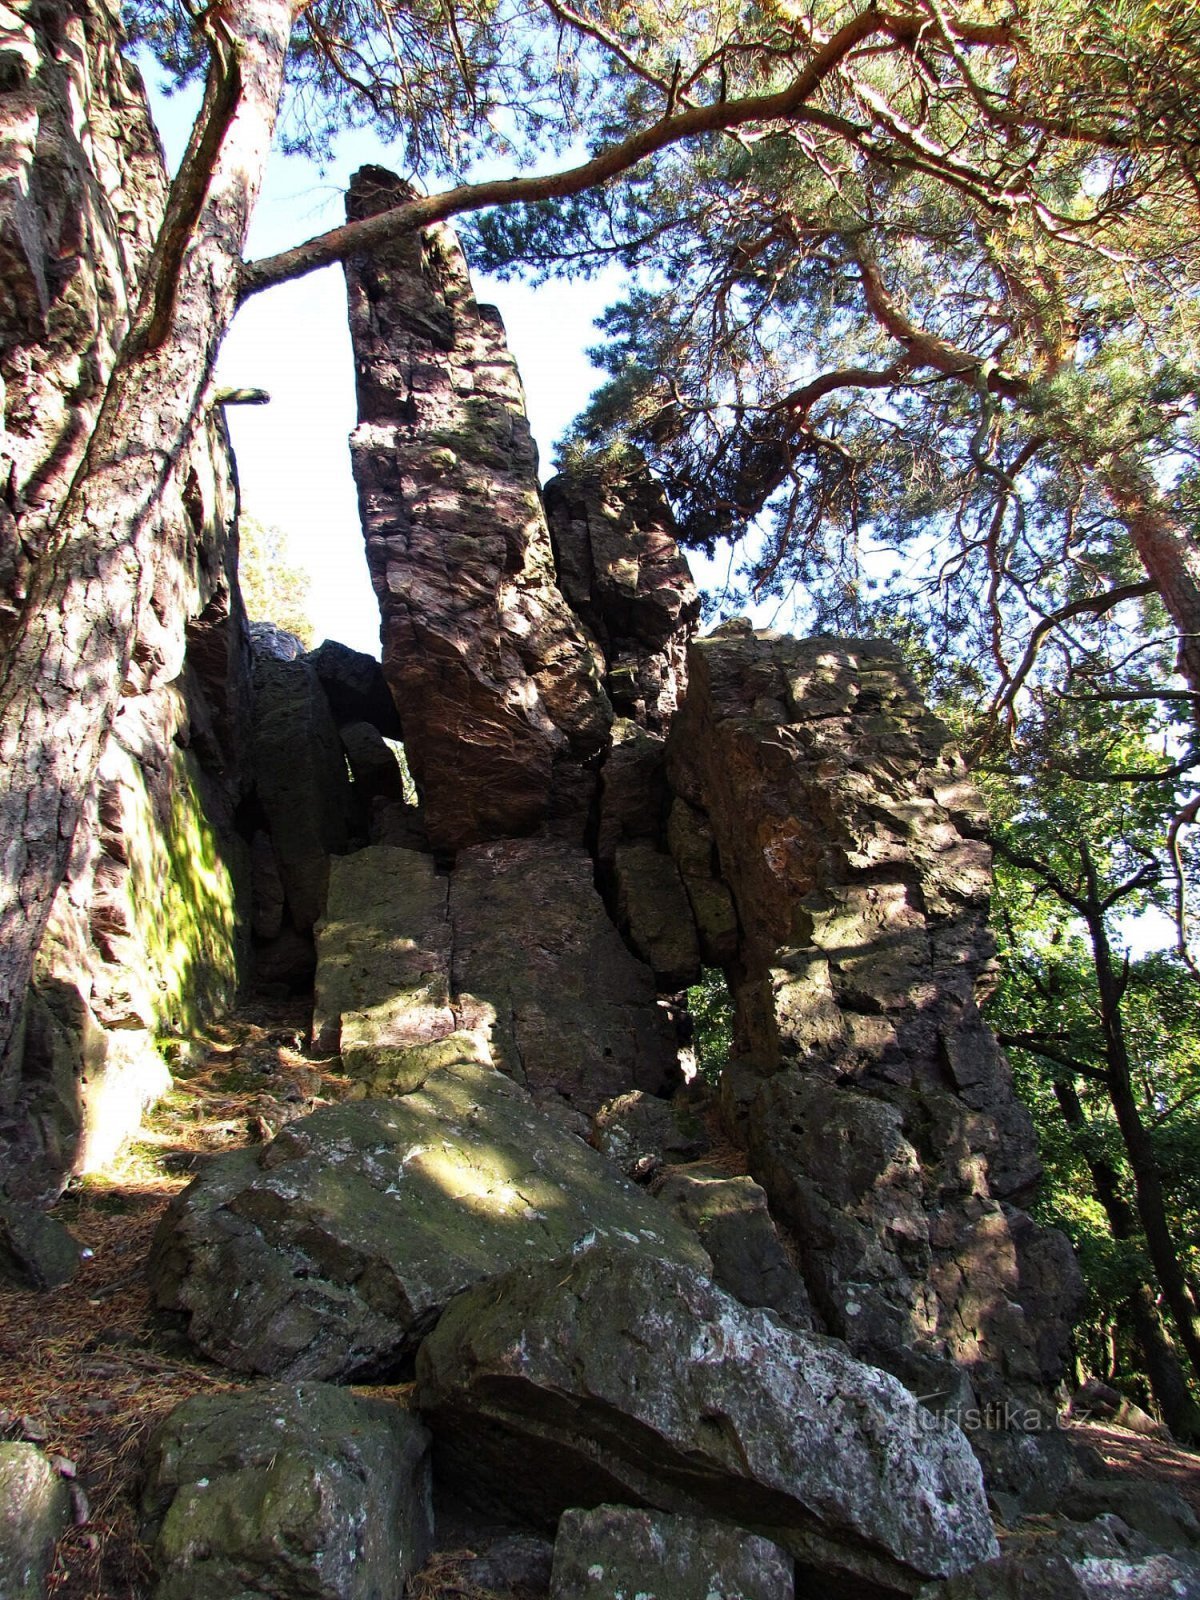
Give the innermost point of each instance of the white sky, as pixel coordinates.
(293, 341)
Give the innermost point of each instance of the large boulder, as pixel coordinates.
(332, 1250)
(36, 1251)
(383, 971)
(612, 1375)
(301, 779)
(35, 1509)
(287, 1490)
(568, 1010)
(614, 1551)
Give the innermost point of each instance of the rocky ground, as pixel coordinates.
(87, 1370)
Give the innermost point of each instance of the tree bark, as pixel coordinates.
(63, 676)
(1147, 1180)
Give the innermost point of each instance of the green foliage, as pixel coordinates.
(710, 1007)
(275, 587)
(1053, 828)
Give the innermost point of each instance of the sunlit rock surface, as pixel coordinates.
(332, 1250)
(615, 1376)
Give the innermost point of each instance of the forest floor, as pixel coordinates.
(88, 1370)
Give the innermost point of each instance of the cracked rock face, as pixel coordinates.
(286, 1490)
(332, 1250)
(625, 577)
(508, 961)
(615, 1376)
(876, 1105)
(499, 687)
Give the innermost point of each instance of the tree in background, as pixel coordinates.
(1107, 1046)
(275, 587)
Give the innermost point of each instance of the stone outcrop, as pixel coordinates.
(145, 938)
(617, 1550)
(332, 1250)
(877, 1107)
(613, 1376)
(509, 961)
(35, 1509)
(287, 1490)
(498, 685)
(622, 573)
(570, 1012)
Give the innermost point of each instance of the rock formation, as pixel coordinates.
(618, 1332)
(499, 686)
(146, 936)
(877, 1108)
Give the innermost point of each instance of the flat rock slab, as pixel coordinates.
(286, 1490)
(569, 1011)
(34, 1510)
(1101, 1560)
(383, 970)
(616, 1376)
(332, 1250)
(617, 1552)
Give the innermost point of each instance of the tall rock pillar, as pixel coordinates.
(499, 686)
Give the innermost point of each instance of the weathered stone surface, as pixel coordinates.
(499, 686)
(873, 1190)
(613, 1552)
(301, 780)
(569, 1012)
(273, 643)
(1154, 1510)
(333, 1249)
(383, 970)
(34, 1510)
(287, 1490)
(355, 687)
(373, 764)
(891, 1142)
(615, 1376)
(634, 797)
(731, 1220)
(656, 915)
(691, 842)
(1104, 1560)
(36, 1251)
(622, 572)
(637, 1125)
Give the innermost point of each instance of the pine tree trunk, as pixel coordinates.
(63, 675)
